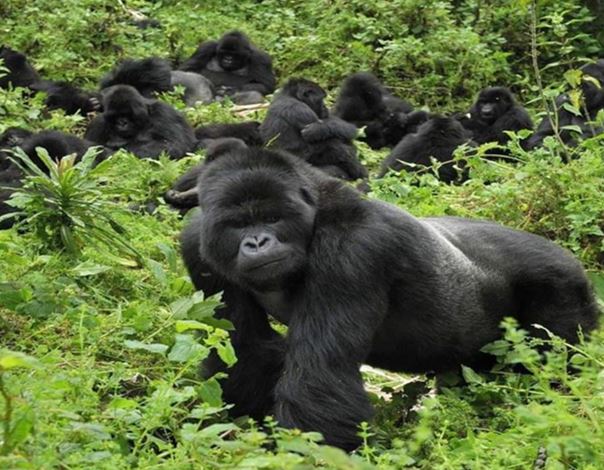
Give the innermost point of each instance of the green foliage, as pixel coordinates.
(116, 330)
(65, 208)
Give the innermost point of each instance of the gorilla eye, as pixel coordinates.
(271, 219)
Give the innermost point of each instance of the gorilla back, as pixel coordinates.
(357, 281)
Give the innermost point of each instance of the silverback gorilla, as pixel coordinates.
(235, 66)
(357, 281)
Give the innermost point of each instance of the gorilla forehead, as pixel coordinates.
(491, 93)
(234, 41)
(255, 175)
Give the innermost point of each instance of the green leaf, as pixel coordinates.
(89, 268)
(470, 376)
(156, 348)
(13, 360)
(211, 393)
(186, 348)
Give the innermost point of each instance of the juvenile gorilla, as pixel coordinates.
(357, 281)
(365, 102)
(593, 101)
(235, 67)
(143, 126)
(298, 121)
(494, 112)
(437, 138)
(154, 75)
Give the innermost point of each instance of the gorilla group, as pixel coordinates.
(356, 281)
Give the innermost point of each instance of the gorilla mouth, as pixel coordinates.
(263, 264)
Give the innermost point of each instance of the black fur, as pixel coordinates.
(69, 98)
(148, 76)
(494, 112)
(20, 72)
(357, 281)
(365, 102)
(235, 66)
(593, 97)
(11, 138)
(298, 121)
(437, 138)
(143, 126)
(246, 131)
(183, 193)
(154, 75)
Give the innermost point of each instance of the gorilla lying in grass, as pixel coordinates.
(357, 281)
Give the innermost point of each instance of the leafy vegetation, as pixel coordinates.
(101, 333)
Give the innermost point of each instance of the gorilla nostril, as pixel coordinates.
(264, 241)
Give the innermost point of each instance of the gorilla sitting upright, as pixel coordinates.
(357, 281)
(494, 112)
(298, 121)
(235, 66)
(143, 126)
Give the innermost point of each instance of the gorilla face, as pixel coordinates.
(309, 93)
(233, 52)
(257, 221)
(493, 103)
(126, 111)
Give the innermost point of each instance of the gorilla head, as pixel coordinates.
(492, 103)
(259, 215)
(308, 93)
(126, 111)
(234, 51)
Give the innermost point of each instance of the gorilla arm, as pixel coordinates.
(200, 58)
(330, 128)
(262, 78)
(330, 334)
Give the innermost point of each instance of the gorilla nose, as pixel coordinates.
(257, 244)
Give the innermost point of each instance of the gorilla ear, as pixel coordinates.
(219, 147)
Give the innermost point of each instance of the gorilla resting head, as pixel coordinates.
(357, 281)
(234, 51)
(309, 93)
(593, 94)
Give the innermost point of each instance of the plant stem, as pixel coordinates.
(8, 414)
(551, 115)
